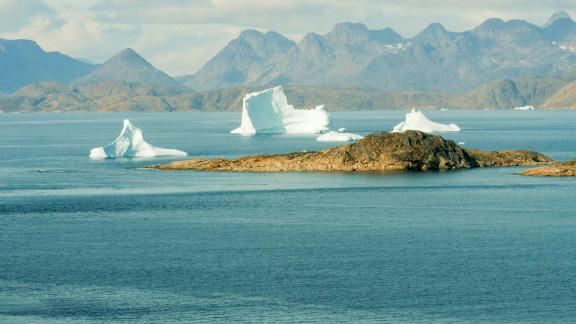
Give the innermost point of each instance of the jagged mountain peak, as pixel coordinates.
(349, 27)
(259, 39)
(561, 28)
(558, 15)
(511, 31)
(491, 24)
(240, 60)
(352, 54)
(311, 38)
(497, 23)
(275, 35)
(249, 33)
(352, 32)
(433, 29)
(387, 35)
(434, 32)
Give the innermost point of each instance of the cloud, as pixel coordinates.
(178, 36)
(79, 35)
(18, 14)
(299, 16)
(179, 49)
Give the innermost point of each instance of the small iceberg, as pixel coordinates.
(131, 143)
(268, 112)
(525, 108)
(339, 136)
(415, 120)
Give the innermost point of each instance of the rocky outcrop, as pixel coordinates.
(407, 151)
(566, 169)
(488, 159)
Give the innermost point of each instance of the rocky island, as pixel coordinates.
(566, 169)
(381, 151)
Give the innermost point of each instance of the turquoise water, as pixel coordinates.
(85, 241)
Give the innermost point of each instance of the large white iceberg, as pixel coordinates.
(415, 120)
(339, 136)
(268, 112)
(131, 143)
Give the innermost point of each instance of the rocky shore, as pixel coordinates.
(381, 151)
(566, 169)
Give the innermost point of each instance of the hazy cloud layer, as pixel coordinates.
(16, 15)
(178, 36)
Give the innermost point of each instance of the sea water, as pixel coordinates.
(105, 241)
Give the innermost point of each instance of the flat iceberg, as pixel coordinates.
(525, 108)
(268, 112)
(339, 136)
(131, 143)
(415, 120)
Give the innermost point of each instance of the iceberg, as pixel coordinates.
(339, 136)
(525, 108)
(415, 120)
(268, 112)
(131, 143)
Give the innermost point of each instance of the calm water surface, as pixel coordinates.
(85, 241)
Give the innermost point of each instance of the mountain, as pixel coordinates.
(352, 55)
(508, 93)
(557, 16)
(349, 56)
(439, 60)
(243, 59)
(332, 58)
(23, 62)
(128, 66)
(435, 59)
(497, 65)
(561, 29)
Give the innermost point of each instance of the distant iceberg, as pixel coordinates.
(268, 112)
(339, 136)
(525, 108)
(131, 143)
(415, 120)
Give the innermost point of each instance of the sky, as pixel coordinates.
(179, 36)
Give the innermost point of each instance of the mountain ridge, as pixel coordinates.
(498, 65)
(541, 92)
(351, 55)
(240, 60)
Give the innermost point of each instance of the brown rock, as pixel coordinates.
(566, 169)
(407, 151)
(487, 159)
